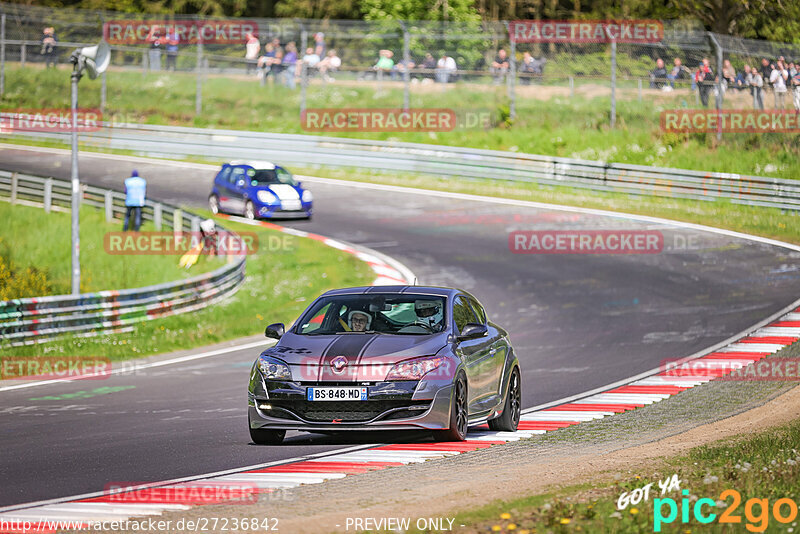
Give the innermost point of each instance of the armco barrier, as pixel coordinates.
(170, 142)
(32, 320)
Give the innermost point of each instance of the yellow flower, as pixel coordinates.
(511, 526)
(505, 515)
(524, 531)
(637, 477)
(634, 511)
(565, 521)
(496, 528)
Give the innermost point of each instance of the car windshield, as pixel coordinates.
(374, 313)
(278, 175)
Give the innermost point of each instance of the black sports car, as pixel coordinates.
(386, 358)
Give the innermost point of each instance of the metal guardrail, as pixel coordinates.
(33, 320)
(170, 142)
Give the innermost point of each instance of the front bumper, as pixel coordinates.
(274, 211)
(407, 405)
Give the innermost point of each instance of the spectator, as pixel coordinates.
(795, 82)
(500, 66)
(49, 47)
(288, 64)
(172, 41)
(270, 62)
(658, 76)
(792, 69)
(757, 88)
(445, 68)
(319, 43)
(728, 75)
(678, 72)
(252, 48)
(704, 77)
(135, 189)
(401, 67)
(156, 41)
(385, 63)
(778, 78)
(428, 67)
(310, 60)
(330, 63)
(526, 68)
(743, 79)
(766, 69)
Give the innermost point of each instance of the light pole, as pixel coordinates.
(94, 60)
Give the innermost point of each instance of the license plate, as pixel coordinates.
(336, 394)
(290, 205)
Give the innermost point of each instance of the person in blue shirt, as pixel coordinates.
(135, 189)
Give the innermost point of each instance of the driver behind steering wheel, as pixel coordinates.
(429, 313)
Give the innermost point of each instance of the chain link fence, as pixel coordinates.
(404, 61)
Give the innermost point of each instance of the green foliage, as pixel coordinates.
(19, 283)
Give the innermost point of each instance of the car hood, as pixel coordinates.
(369, 356)
(284, 191)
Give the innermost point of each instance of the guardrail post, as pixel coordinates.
(145, 63)
(157, 216)
(571, 87)
(195, 225)
(640, 89)
(177, 221)
(613, 83)
(2, 54)
(22, 53)
(14, 185)
(48, 195)
(103, 93)
(198, 96)
(109, 205)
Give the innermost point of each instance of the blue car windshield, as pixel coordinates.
(374, 313)
(277, 175)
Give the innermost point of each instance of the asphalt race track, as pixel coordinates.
(577, 321)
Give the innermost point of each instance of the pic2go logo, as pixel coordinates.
(756, 511)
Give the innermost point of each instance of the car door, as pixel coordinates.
(237, 185)
(497, 349)
(221, 184)
(475, 355)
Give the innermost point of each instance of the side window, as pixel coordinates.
(225, 174)
(315, 322)
(479, 311)
(236, 175)
(462, 313)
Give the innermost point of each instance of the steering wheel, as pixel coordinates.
(427, 327)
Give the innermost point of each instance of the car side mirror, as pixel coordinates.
(473, 331)
(275, 330)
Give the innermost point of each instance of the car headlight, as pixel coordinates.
(265, 196)
(273, 369)
(307, 196)
(416, 368)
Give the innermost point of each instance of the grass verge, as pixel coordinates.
(32, 240)
(547, 122)
(285, 274)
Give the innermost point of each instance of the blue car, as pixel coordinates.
(259, 189)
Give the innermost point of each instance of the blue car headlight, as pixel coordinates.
(307, 196)
(273, 369)
(265, 197)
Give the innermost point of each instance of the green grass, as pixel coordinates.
(762, 466)
(281, 281)
(561, 126)
(31, 238)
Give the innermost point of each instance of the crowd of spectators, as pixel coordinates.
(779, 76)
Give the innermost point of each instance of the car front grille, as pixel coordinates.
(343, 411)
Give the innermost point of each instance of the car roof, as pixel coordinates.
(404, 290)
(259, 165)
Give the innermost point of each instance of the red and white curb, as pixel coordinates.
(317, 469)
(388, 271)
